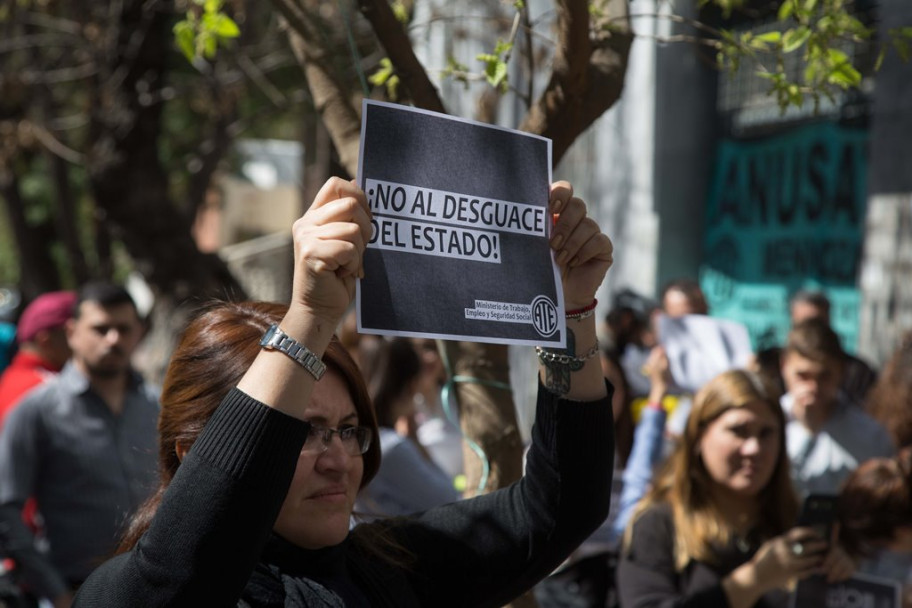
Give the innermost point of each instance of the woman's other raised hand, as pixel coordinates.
(329, 243)
(583, 252)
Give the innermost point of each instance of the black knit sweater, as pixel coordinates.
(211, 542)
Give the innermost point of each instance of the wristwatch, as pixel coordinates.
(276, 339)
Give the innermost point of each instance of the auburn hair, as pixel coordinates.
(875, 501)
(214, 352)
(890, 400)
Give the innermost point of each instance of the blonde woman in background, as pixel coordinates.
(716, 527)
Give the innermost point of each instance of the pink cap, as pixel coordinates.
(47, 311)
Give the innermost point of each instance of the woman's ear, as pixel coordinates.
(181, 450)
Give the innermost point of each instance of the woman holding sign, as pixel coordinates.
(267, 435)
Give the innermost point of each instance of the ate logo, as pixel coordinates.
(544, 316)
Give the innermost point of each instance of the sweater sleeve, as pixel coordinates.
(646, 575)
(487, 550)
(214, 518)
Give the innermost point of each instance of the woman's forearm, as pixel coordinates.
(742, 586)
(579, 378)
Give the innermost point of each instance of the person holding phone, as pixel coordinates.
(718, 527)
(267, 433)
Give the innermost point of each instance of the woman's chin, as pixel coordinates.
(330, 532)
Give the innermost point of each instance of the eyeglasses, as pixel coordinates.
(355, 439)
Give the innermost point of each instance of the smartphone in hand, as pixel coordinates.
(819, 512)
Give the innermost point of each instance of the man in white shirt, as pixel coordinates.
(826, 436)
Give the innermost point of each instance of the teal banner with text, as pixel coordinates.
(785, 213)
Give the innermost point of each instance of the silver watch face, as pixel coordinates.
(276, 339)
(266, 340)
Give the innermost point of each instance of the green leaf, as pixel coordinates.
(495, 72)
(400, 12)
(392, 87)
(771, 37)
(794, 38)
(383, 74)
(184, 37)
(182, 27)
(225, 27)
(837, 57)
(856, 27)
(811, 71)
(880, 59)
(209, 44)
(845, 75)
(902, 48)
(212, 6)
(839, 80)
(378, 78)
(728, 6)
(785, 10)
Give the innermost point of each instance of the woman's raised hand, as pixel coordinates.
(584, 253)
(329, 243)
(796, 554)
(778, 562)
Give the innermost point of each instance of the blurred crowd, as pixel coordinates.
(719, 450)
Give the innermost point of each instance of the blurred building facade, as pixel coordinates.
(248, 213)
(699, 174)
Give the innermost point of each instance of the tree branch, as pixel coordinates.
(55, 146)
(395, 41)
(571, 54)
(337, 106)
(588, 73)
(257, 77)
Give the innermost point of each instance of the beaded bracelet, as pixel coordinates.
(549, 356)
(582, 313)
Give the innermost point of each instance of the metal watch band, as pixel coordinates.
(276, 339)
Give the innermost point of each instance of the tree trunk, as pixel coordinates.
(65, 219)
(486, 413)
(127, 178)
(487, 416)
(38, 273)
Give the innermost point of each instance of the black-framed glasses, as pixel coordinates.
(355, 439)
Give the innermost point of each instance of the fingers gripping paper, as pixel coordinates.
(459, 248)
